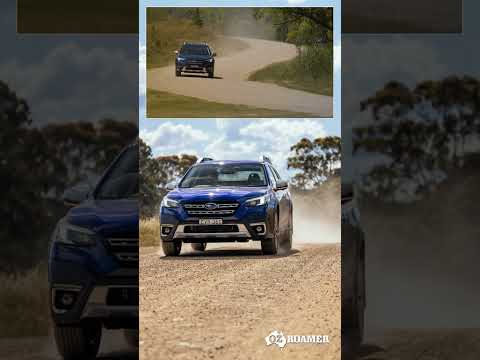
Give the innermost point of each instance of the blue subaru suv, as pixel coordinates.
(93, 261)
(227, 201)
(195, 58)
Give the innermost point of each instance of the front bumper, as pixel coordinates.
(96, 283)
(195, 68)
(247, 224)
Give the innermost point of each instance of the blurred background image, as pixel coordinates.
(69, 106)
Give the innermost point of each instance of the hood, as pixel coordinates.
(195, 57)
(239, 194)
(109, 218)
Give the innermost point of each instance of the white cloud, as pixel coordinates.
(174, 138)
(76, 83)
(232, 139)
(228, 148)
(283, 131)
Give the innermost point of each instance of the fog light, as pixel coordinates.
(166, 230)
(259, 229)
(65, 299)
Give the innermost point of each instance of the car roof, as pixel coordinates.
(221, 162)
(195, 43)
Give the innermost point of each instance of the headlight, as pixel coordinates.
(262, 200)
(66, 233)
(180, 59)
(169, 203)
(210, 60)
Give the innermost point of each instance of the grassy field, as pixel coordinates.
(166, 105)
(164, 37)
(150, 232)
(25, 304)
(312, 72)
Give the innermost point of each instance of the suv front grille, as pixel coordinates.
(210, 229)
(208, 208)
(125, 250)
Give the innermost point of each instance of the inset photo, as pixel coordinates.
(240, 234)
(207, 62)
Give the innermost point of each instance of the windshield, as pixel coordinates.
(121, 182)
(194, 50)
(215, 175)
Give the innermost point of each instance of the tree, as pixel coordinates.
(149, 179)
(155, 174)
(172, 167)
(419, 133)
(302, 26)
(316, 161)
(197, 18)
(22, 163)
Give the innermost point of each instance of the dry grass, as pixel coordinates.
(150, 232)
(164, 37)
(162, 104)
(25, 304)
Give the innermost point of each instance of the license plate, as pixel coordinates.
(210, 221)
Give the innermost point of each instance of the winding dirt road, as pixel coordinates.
(230, 84)
(222, 303)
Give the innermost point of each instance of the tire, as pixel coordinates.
(199, 246)
(353, 280)
(171, 248)
(211, 73)
(287, 240)
(178, 73)
(270, 246)
(288, 237)
(78, 342)
(131, 337)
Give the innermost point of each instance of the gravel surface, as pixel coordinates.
(222, 303)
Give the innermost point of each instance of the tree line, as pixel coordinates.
(421, 134)
(37, 164)
(313, 161)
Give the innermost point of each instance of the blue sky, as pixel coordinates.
(236, 138)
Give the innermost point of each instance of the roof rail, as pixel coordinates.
(204, 159)
(264, 158)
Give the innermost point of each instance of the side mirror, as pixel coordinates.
(77, 194)
(171, 185)
(214, 54)
(281, 185)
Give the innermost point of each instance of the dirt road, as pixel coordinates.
(423, 344)
(230, 84)
(221, 304)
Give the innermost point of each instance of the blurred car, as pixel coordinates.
(93, 261)
(353, 274)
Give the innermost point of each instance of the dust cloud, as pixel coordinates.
(241, 23)
(422, 260)
(316, 217)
